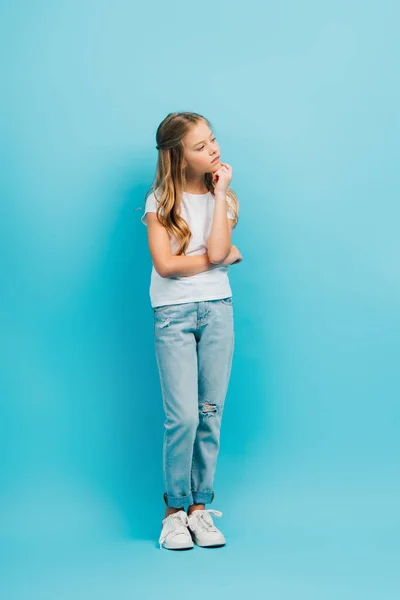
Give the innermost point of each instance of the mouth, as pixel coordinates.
(215, 160)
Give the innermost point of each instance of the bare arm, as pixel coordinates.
(166, 263)
(219, 242)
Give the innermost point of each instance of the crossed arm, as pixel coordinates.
(169, 265)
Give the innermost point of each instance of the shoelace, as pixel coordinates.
(174, 523)
(203, 519)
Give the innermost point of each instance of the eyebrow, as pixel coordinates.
(203, 141)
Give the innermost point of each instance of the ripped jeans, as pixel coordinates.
(194, 345)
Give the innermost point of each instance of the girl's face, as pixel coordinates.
(201, 150)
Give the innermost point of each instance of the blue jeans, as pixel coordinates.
(194, 345)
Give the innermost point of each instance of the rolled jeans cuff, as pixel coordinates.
(178, 501)
(202, 497)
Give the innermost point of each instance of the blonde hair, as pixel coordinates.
(170, 180)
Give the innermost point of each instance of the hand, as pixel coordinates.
(233, 257)
(222, 178)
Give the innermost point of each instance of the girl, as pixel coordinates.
(190, 213)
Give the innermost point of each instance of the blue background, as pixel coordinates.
(304, 100)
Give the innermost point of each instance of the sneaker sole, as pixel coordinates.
(210, 545)
(178, 547)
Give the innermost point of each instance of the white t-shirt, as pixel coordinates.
(198, 211)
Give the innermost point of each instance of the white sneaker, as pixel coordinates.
(203, 530)
(175, 534)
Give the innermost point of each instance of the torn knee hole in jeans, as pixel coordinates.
(209, 409)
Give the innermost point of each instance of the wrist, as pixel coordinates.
(220, 196)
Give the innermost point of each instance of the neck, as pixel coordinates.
(195, 185)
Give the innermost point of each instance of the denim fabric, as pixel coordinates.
(194, 345)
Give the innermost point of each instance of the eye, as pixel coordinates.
(201, 147)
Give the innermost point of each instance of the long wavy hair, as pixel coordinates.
(170, 179)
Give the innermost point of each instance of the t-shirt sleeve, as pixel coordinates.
(151, 206)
